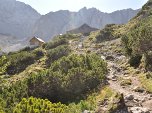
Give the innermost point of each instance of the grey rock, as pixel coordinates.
(103, 57)
(129, 97)
(138, 89)
(114, 79)
(143, 99)
(129, 104)
(139, 110)
(109, 57)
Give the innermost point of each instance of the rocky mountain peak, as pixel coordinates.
(85, 26)
(84, 29)
(61, 21)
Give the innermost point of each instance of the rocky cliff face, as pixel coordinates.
(16, 18)
(55, 23)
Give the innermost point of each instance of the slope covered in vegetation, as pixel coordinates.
(135, 35)
(63, 77)
(131, 60)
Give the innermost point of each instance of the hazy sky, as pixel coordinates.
(45, 6)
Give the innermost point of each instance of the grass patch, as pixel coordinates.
(105, 93)
(89, 104)
(112, 98)
(93, 102)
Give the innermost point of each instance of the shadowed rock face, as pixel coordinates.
(59, 22)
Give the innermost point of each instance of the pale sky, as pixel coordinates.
(45, 6)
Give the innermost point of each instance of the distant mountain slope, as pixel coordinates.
(84, 29)
(16, 18)
(10, 43)
(55, 23)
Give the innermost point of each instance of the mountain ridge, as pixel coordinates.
(59, 22)
(20, 20)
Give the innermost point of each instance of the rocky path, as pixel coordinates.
(136, 99)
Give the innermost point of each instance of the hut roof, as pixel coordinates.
(39, 39)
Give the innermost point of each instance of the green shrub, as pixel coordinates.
(148, 61)
(27, 49)
(55, 54)
(39, 53)
(34, 105)
(135, 60)
(60, 40)
(146, 81)
(138, 41)
(107, 33)
(67, 36)
(3, 64)
(69, 78)
(10, 95)
(55, 43)
(19, 61)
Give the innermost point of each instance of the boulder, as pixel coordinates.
(130, 104)
(114, 79)
(86, 111)
(103, 57)
(109, 57)
(138, 89)
(129, 97)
